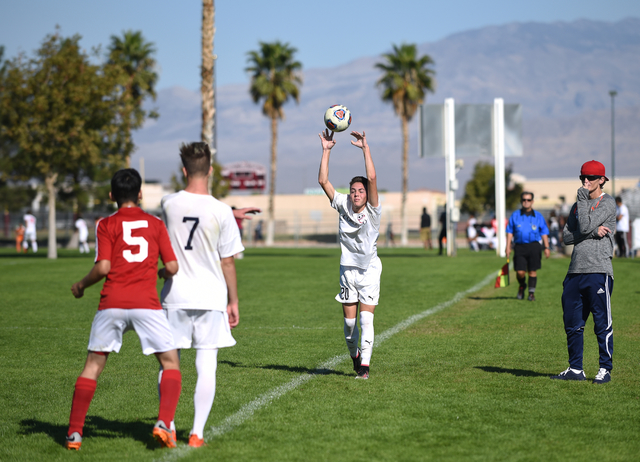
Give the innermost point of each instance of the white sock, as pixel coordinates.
(206, 365)
(35, 246)
(351, 335)
(474, 244)
(366, 325)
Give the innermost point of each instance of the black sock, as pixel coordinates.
(532, 283)
(523, 282)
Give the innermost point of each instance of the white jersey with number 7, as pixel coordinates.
(202, 231)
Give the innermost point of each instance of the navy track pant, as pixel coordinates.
(584, 294)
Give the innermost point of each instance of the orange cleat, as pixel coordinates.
(74, 441)
(196, 442)
(164, 436)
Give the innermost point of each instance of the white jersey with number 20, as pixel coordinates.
(358, 231)
(202, 231)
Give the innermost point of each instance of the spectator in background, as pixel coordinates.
(472, 233)
(622, 227)
(425, 229)
(20, 238)
(83, 234)
(442, 237)
(257, 235)
(554, 230)
(30, 232)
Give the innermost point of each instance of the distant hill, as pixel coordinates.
(560, 72)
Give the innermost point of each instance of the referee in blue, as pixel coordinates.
(526, 229)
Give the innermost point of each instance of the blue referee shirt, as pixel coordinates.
(527, 227)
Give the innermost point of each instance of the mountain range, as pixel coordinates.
(560, 72)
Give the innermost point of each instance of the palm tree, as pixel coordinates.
(405, 82)
(207, 89)
(132, 56)
(275, 78)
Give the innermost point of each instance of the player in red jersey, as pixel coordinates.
(128, 245)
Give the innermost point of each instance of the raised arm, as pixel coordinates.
(326, 138)
(372, 192)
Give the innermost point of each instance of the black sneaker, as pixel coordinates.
(603, 376)
(570, 375)
(520, 295)
(532, 298)
(363, 373)
(357, 360)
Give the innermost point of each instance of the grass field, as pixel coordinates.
(465, 380)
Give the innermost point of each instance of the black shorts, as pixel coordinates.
(527, 257)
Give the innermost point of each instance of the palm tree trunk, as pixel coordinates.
(206, 72)
(50, 182)
(404, 233)
(272, 182)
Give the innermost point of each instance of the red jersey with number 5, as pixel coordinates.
(132, 240)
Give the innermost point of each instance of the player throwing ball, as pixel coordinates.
(360, 267)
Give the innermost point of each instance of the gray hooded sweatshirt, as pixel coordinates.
(592, 253)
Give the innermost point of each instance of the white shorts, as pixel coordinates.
(357, 284)
(200, 329)
(83, 236)
(29, 235)
(150, 325)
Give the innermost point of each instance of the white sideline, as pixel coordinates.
(246, 411)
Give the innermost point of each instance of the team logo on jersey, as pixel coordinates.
(534, 227)
(361, 218)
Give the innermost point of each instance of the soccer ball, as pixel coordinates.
(337, 118)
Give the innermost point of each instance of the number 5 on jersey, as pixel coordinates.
(127, 227)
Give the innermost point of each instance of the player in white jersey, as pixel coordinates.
(83, 234)
(360, 267)
(202, 302)
(30, 232)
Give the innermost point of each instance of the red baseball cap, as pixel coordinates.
(593, 167)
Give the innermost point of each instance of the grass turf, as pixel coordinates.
(469, 382)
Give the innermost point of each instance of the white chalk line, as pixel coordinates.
(247, 411)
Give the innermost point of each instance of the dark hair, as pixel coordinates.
(619, 199)
(125, 186)
(525, 192)
(196, 158)
(360, 179)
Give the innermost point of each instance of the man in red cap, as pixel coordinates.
(589, 282)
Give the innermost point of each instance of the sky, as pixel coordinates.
(325, 34)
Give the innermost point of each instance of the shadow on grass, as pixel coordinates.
(97, 427)
(297, 370)
(516, 372)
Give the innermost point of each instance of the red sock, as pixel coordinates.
(170, 386)
(82, 396)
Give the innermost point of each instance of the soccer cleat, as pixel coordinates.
(164, 436)
(603, 376)
(520, 295)
(532, 297)
(569, 375)
(196, 442)
(74, 441)
(357, 360)
(363, 373)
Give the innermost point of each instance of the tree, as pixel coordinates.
(405, 81)
(480, 190)
(275, 78)
(207, 89)
(133, 67)
(59, 114)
